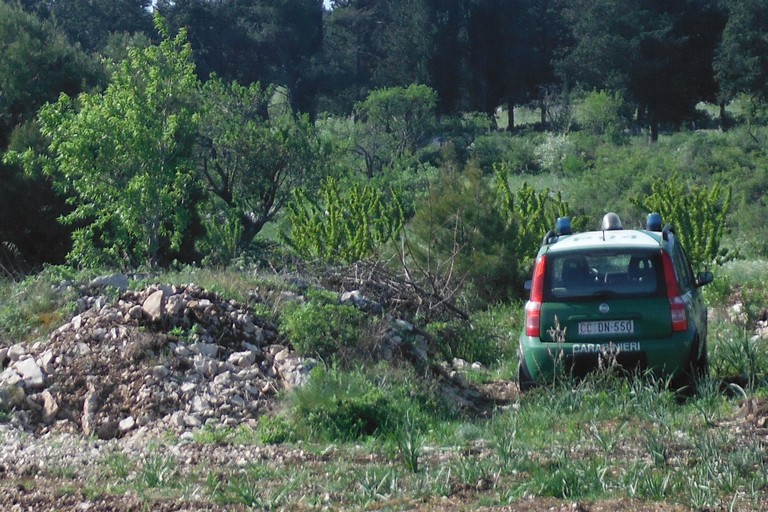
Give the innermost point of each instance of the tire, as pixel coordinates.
(524, 380)
(696, 368)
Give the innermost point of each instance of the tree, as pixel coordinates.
(271, 41)
(697, 212)
(658, 54)
(253, 155)
(344, 226)
(124, 158)
(741, 62)
(37, 63)
(391, 123)
(91, 22)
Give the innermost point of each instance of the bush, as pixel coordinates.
(337, 405)
(600, 113)
(490, 337)
(320, 328)
(469, 237)
(347, 226)
(274, 430)
(515, 152)
(554, 151)
(698, 213)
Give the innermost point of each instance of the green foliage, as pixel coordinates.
(698, 215)
(254, 153)
(321, 328)
(343, 406)
(478, 238)
(345, 225)
(391, 123)
(554, 152)
(528, 214)
(275, 430)
(37, 63)
(488, 338)
(517, 153)
(34, 307)
(124, 159)
(600, 113)
(457, 239)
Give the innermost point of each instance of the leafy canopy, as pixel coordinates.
(124, 158)
(698, 215)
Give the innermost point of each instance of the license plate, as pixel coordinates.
(606, 327)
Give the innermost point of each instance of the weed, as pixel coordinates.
(656, 447)
(158, 471)
(410, 442)
(655, 485)
(378, 485)
(275, 430)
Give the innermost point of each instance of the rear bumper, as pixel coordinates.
(663, 357)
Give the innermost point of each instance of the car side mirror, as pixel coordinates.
(704, 278)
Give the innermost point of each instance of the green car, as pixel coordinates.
(616, 297)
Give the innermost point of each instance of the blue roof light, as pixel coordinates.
(653, 223)
(563, 226)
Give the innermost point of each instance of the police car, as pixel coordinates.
(625, 298)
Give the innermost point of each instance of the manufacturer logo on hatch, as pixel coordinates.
(604, 308)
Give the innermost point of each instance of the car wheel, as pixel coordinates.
(701, 369)
(524, 380)
(697, 368)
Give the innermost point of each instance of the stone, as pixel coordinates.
(205, 349)
(16, 352)
(154, 304)
(175, 305)
(242, 359)
(31, 375)
(160, 372)
(117, 281)
(50, 407)
(46, 361)
(126, 424)
(9, 377)
(192, 421)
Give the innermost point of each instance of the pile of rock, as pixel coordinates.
(166, 357)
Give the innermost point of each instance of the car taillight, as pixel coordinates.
(677, 308)
(533, 307)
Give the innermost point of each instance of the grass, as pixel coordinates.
(603, 439)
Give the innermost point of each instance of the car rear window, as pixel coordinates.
(603, 274)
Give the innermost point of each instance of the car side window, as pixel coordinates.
(682, 268)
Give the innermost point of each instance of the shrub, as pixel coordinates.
(698, 214)
(470, 237)
(320, 328)
(600, 113)
(274, 430)
(488, 338)
(347, 226)
(339, 405)
(554, 152)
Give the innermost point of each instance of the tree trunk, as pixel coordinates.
(723, 119)
(252, 224)
(511, 116)
(654, 135)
